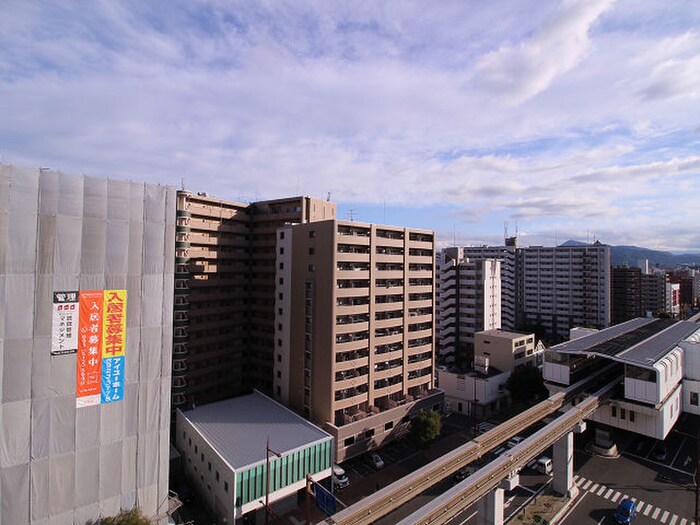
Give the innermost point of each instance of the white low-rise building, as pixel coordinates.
(225, 454)
(653, 356)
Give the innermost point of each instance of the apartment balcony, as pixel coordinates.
(388, 242)
(351, 327)
(351, 292)
(388, 339)
(385, 391)
(352, 274)
(350, 400)
(387, 373)
(420, 259)
(389, 306)
(388, 258)
(420, 273)
(420, 333)
(422, 245)
(349, 345)
(415, 319)
(389, 274)
(352, 257)
(421, 289)
(419, 381)
(357, 240)
(352, 310)
(350, 382)
(388, 323)
(352, 363)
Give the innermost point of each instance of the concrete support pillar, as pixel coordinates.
(490, 508)
(563, 466)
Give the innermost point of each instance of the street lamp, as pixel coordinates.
(267, 478)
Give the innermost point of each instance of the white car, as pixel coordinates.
(375, 460)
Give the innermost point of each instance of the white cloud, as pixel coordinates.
(546, 111)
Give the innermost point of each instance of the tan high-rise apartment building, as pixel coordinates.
(224, 292)
(354, 330)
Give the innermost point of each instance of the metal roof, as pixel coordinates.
(641, 341)
(238, 428)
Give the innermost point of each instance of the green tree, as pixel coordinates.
(425, 427)
(526, 385)
(127, 517)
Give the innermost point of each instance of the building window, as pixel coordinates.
(225, 486)
(632, 416)
(279, 311)
(694, 398)
(279, 343)
(349, 441)
(312, 268)
(622, 413)
(389, 425)
(312, 251)
(281, 266)
(369, 433)
(217, 475)
(281, 296)
(281, 250)
(312, 234)
(281, 235)
(281, 280)
(279, 357)
(279, 374)
(210, 466)
(279, 391)
(196, 450)
(613, 411)
(202, 457)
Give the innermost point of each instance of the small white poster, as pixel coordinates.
(64, 337)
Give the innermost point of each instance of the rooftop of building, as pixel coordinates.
(640, 342)
(238, 428)
(504, 334)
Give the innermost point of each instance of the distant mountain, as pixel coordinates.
(631, 255)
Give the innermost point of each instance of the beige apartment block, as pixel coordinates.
(225, 293)
(355, 328)
(505, 350)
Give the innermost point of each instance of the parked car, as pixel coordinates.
(626, 511)
(514, 441)
(464, 473)
(339, 477)
(375, 460)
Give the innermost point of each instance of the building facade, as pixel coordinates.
(225, 293)
(468, 300)
(225, 452)
(355, 328)
(626, 293)
(506, 255)
(86, 336)
(506, 350)
(564, 286)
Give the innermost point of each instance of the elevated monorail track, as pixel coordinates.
(403, 490)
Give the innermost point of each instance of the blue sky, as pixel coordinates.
(572, 119)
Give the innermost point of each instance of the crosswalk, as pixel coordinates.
(647, 509)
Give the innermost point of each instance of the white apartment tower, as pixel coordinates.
(506, 255)
(468, 301)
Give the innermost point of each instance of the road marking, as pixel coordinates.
(607, 494)
(587, 484)
(648, 509)
(656, 513)
(684, 521)
(616, 497)
(602, 489)
(673, 520)
(640, 504)
(664, 516)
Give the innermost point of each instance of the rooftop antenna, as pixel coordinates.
(351, 214)
(328, 197)
(454, 235)
(505, 230)
(182, 183)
